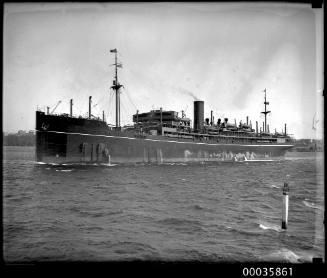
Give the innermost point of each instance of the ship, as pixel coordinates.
(157, 136)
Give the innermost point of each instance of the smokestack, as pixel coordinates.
(211, 118)
(198, 115)
(268, 128)
(103, 115)
(263, 126)
(251, 124)
(285, 130)
(247, 120)
(90, 101)
(137, 116)
(235, 122)
(71, 107)
(256, 127)
(48, 110)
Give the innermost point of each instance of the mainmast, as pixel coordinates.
(265, 112)
(116, 86)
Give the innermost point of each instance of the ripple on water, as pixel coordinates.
(205, 212)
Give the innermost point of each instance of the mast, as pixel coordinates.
(71, 107)
(90, 101)
(116, 86)
(265, 112)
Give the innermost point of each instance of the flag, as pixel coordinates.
(113, 50)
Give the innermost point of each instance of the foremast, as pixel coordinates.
(116, 87)
(265, 112)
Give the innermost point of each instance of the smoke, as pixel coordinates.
(157, 83)
(187, 92)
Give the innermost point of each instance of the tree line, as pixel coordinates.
(27, 139)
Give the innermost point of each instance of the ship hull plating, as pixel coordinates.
(76, 140)
(89, 148)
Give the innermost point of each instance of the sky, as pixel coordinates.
(172, 54)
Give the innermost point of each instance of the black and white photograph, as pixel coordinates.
(163, 132)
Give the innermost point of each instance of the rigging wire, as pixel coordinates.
(125, 114)
(126, 108)
(111, 106)
(106, 106)
(98, 107)
(129, 98)
(131, 108)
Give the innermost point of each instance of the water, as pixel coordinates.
(199, 212)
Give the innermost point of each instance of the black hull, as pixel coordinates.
(74, 140)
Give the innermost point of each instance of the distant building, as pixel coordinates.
(21, 132)
(31, 132)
